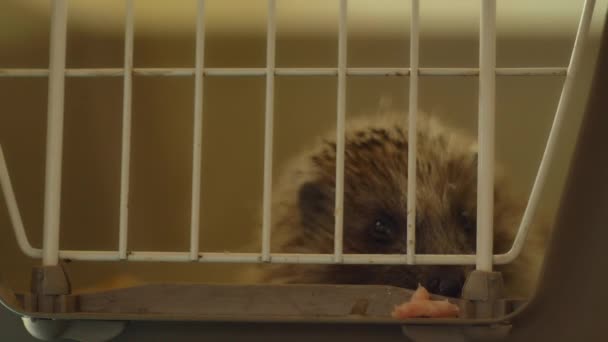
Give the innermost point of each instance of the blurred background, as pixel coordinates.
(539, 33)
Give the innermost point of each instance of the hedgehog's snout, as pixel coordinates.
(446, 282)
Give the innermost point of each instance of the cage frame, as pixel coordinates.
(20, 303)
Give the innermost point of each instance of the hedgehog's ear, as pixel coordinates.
(311, 201)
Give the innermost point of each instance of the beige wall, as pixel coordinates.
(233, 132)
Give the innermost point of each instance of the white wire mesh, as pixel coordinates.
(487, 71)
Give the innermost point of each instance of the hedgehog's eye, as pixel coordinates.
(383, 230)
(467, 221)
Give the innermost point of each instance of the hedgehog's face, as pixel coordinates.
(375, 208)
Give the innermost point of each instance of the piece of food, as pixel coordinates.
(421, 305)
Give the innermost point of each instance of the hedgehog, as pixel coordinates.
(375, 209)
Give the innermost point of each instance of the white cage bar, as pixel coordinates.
(486, 114)
(54, 139)
(556, 129)
(412, 133)
(487, 71)
(340, 132)
(197, 134)
(13, 211)
(268, 131)
(125, 163)
(260, 72)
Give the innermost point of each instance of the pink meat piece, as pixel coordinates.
(421, 305)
